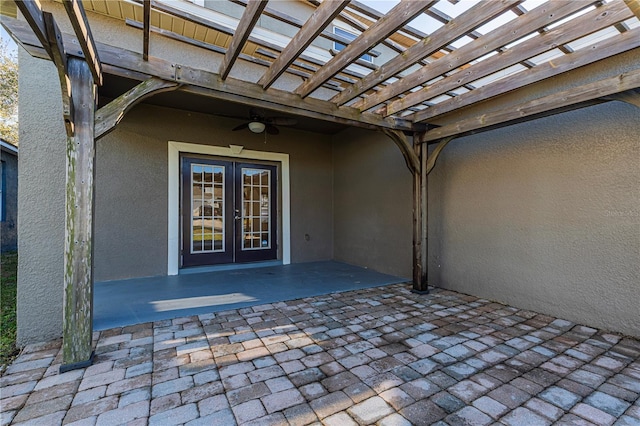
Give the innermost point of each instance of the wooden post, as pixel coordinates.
(78, 260)
(420, 220)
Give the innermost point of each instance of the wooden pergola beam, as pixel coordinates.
(582, 26)
(146, 28)
(576, 95)
(381, 29)
(323, 16)
(587, 55)
(108, 117)
(468, 21)
(130, 65)
(80, 24)
(519, 27)
(243, 30)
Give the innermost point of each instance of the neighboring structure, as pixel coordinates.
(8, 196)
(542, 214)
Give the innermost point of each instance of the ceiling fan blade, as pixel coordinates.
(240, 127)
(283, 121)
(272, 130)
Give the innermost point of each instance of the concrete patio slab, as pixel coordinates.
(134, 301)
(380, 356)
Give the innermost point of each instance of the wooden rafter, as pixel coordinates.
(468, 21)
(80, 24)
(129, 64)
(294, 22)
(214, 48)
(243, 31)
(576, 95)
(146, 28)
(400, 14)
(587, 55)
(589, 23)
(517, 28)
(322, 17)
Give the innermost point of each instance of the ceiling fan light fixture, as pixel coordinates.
(256, 127)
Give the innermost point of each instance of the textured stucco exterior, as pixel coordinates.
(372, 203)
(131, 187)
(9, 213)
(41, 185)
(544, 215)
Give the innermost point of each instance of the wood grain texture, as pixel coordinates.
(108, 117)
(78, 253)
(519, 27)
(429, 45)
(586, 24)
(323, 16)
(242, 32)
(598, 89)
(381, 29)
(78, 18)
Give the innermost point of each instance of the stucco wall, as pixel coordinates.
(9, 224)
(372, 203)
(544, 215)
(131, 187)
(40, 203)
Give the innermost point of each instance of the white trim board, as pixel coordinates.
(175, 148)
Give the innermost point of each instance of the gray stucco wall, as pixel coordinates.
(40, 201)
(372, 203)
(131, 187)
(544, 215)
(9, 224)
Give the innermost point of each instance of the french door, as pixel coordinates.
(228, 212)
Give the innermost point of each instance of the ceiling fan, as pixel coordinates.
(258, 123)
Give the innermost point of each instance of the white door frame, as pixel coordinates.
(232, 151)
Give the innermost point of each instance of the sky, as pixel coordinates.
(5, 37)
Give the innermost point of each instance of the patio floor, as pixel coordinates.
(134, 301)
(373, 356)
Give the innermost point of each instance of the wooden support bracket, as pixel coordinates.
(108, 117)
(431, 161)
(408, 152)
(631, 96)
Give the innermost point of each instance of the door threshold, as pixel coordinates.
(228, 267)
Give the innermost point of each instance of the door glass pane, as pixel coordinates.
(207, 219)
(256, 212)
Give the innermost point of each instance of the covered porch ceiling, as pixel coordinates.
(448, 56)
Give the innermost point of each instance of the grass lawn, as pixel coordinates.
(8, 283)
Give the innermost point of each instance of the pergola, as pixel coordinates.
(485, 51)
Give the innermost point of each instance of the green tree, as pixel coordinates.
(8, 93)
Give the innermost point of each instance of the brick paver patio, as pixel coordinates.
(379, 356)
